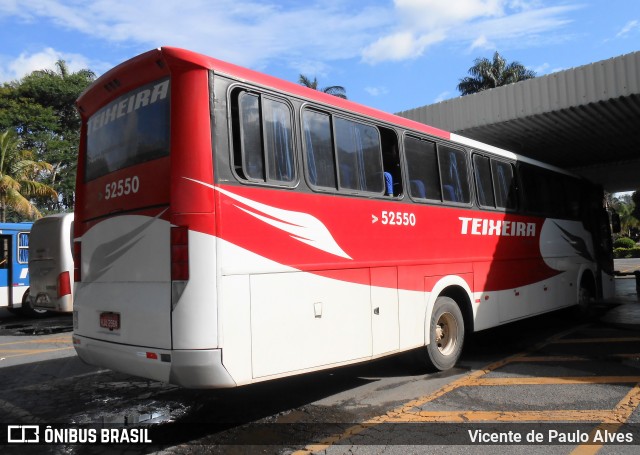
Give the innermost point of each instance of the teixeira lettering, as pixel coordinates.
(483, 226)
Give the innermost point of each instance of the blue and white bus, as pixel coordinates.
(14, 268)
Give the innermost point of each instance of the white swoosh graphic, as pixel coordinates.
(303, 227)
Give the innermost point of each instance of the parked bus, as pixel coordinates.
(51, 263)
(232, 227)
(14, 269)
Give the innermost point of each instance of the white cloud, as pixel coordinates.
(400, 46)
(475, 23)
(628, 28)
(376, 91)
(45, 59)
(442, 96)
(482, 43)
(439, 13)
(246, 32)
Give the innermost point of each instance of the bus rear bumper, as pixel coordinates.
(187, 368)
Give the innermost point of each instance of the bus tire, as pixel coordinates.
(28, 309)
(586, 301)
(446, 334)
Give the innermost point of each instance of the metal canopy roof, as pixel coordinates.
(585, 119)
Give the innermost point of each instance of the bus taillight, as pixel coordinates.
(77, 261)
(64, 284)
(179, 253)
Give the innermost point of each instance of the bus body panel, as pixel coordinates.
(190, 368)
(194, 316)
(117, 278)
(320, 321)
(50, 261)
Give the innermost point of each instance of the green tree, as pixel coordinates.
(635, 199)
(335, 90)
(40, 108)
(625, 207)
(486, 74)
(18, 174)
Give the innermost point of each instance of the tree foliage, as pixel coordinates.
(40, 109)
(486, 74)
(335, 90)
(626, 206)
(19, 175)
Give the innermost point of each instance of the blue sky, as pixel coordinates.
(392, 55)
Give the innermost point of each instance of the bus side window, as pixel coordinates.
(278, 141)
(484, 184)
(359, 157)
(422, 168)
(572, 192)
(318, 143)
(263, 139)
(4, 253)
(391, 162)
(251, 137)
(505, 185)
(453, 172)
(23, 248)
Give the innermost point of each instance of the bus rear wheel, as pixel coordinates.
(586, 302)
(446, 334)
(28, 309)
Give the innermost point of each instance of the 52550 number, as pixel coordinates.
(122, 187)
(398, 218)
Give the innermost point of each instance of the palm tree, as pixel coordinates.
(335, 90)
(18, 171)
(488, 74)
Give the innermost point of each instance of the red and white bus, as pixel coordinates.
(232, 227)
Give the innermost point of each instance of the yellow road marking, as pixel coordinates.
(66, 339)
(407, 412)
(552, 358)
(31, 351)
(554, 380)
(614, 421)
(596, 340)
(576, 415)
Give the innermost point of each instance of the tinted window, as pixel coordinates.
(453, 172)
(278, 142)
(359, 156)
(505, 184)
(263, 139)
(484, 184)
(422, 167)
(321, 167)
(251, 136)
(573, 197)
(537, 197)
(132, 129)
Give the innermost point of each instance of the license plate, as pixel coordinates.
(110, 321)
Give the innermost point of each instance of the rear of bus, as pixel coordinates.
(145, 300)
(51, 263)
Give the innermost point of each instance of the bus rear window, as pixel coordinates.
(130, 130)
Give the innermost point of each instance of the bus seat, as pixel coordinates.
(417, 189)
(449, 193)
